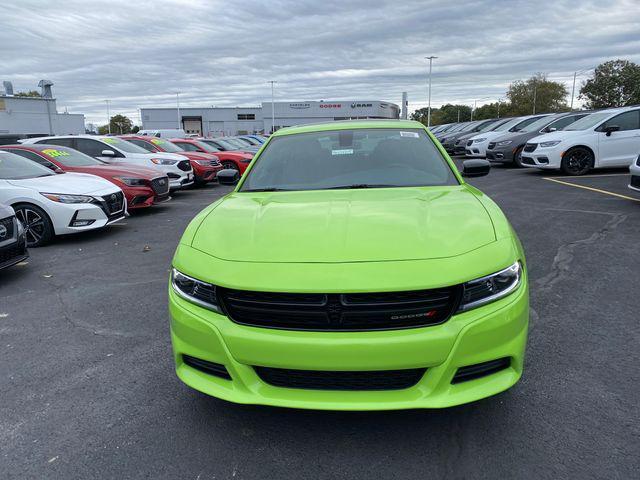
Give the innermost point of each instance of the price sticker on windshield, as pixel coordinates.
(55, 153)
(409, 134)
(342, 151)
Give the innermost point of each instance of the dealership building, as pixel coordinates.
(34, 116)
(220, 121)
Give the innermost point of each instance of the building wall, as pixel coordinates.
(29, 116)
(233, 121)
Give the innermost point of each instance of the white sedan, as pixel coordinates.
(50, 204)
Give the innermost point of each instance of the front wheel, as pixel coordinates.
(228, 164)
(517, 157)
(577, 161)
(37, 225)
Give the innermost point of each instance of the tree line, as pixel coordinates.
(615, 83)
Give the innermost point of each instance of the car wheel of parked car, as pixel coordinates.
(577, 161)
(36, 222)
(517, 157)
(230, 164)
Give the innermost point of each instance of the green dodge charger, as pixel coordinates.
(352, 268)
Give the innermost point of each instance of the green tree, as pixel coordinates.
(135, 129)
(121, 124)
(103, 129)
(615, 83)
(29, 93)
(492, 110)
(549, 96)
(446, 114)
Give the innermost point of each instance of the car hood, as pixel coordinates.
(516, 137)
(487, 135)
(70, 183)
(561, 135)
(334, 226)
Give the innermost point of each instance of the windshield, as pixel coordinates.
(120, 144)
(228, 144)
(14, 167)
(69, 157)
(359, 158)
(250, 141)
(166, 145)
(508, 125)
(489, 126)
(207, 145)
(539, 124)
(589, 121)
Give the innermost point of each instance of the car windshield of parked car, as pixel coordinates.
(14, 167)
(205, 145)
(166, 145)
(250, 141)
(123, 145)
(342, 159)
(538, 124)
(495, 127)
(488, 127)
(589, 121)
(227, 145)
(507, 126)
(69, 157)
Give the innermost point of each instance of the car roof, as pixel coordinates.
(348, 125)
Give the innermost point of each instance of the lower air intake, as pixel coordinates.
(333, 380)
(211, 368)
(478, 370)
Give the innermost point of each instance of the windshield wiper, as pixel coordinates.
(266, 189)
(362, 185)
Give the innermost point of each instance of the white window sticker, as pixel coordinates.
(409, 134)
(344, 151)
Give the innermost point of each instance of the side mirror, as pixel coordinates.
(610, 129)
(228, 176)
(108, 153)
(475, 168)
(551, 129)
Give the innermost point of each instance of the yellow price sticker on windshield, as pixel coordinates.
(112, 141)
(55, 153)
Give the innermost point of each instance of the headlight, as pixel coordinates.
(163, 161)
(132, 182)
(195, 291)
(204, 162)
(504, 143)
(553, 143)
(246, 160)
(63, 198)
(491, 288)
(478, 140)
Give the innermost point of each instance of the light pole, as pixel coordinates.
(108, 115)
(273, 107)
(573, 89)
(178, 105)
(430, 58)
(499, 102)
(535, 92)
(475, 104)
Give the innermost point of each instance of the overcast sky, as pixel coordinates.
(139, 53)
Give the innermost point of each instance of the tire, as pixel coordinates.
(230, 165)
(37, 224)
(517, 157)
(577, 161)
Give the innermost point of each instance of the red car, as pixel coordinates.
(142, 187)
(235, 160)
(205, 165)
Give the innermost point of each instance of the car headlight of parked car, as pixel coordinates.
(132, 182)
(478, 140)
(552, 143)
(504, 143)
(491, 288)
(204, 162)
(195, 291)
(163, 161)
(64, 198)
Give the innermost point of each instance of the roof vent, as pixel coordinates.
(45, 87)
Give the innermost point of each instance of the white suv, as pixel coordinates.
(477, 145)
(115, 150)
(610, 138)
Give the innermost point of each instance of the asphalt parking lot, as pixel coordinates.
(89, 389)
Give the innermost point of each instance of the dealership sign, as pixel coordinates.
(299, 105)
(330, 105)
(361, 105)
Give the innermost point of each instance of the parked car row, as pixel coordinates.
(59, 185)
(573, 142)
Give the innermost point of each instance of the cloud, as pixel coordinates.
(139, 53)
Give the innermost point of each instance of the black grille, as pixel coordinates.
(635, 181)
(334, 380)
(340, 312)
(12, 254)
(184, 165)
(160, 185)
(492, 145)
(469, 143)
(527, 161)
(471, 372)
(112, 205)
(205, 366)
(7, 223)
(530, 147)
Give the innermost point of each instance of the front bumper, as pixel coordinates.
(180, 180)
(500, 154)
(476, 150)
(490, 332)
(13, 250)
(205, 173)
(542, 158)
